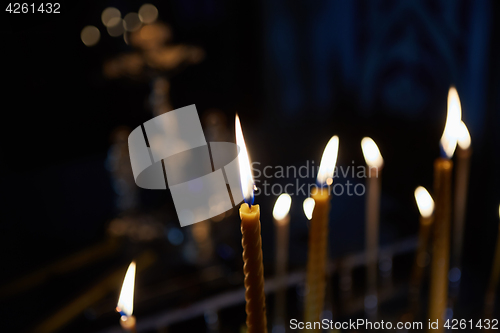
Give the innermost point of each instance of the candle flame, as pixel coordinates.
(464, 140)
(425, 202)
(371, 153)
(282, 206)
(308, 205)
(126, 300)
(452, 127)
(328, 161)
(246, 178)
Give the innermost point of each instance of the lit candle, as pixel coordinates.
(494, 279)
(308, 206)
(443, 168)
(281, 225)
(426, 208)
(252, 244)
(126, 301)
(375, 163)
(461, 184)
(318, 234)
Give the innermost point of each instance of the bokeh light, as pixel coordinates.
(131, 22)
(90, 35)
(115, 27)
(108, 14)
(148, 13)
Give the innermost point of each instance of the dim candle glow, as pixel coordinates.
(308, 205)
(126, 301)
(246, 177)
(453, 121)
(464, 139)
(328, 161)
(282, 206)
(371, 153)
(425, 202)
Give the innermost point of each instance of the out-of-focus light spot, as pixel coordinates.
(327, 314)
(449, 313)
(115, 27)
(131, 22)
(454, 274)
(126, 38)
(90, 35)
(108, 14)
(175, 236)
(148, 13)
(225, 251)
(279, 328)
(385, 264)
(371, 302)
(211, 318)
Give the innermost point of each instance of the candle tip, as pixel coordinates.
(371, 153)
(308, 206)
(425, 202)
(126, 301)
(246, 178)
(464, 139)
(328, 161)
(452, 127)
(282, 206)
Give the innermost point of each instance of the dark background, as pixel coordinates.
(296, 73)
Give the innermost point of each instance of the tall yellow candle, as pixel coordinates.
(125, 304)
(251, 241)
(425, 205)
(318, 235)
(375, 163)
(494, 279)
(443, 168)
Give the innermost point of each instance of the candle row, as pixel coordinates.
(435, 225)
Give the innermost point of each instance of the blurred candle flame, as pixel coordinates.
(371, 153)
(308, 205)
(425, 202)
(126, 300)
(246, 178)
(282, 206)
(452, 127)
(464, 140)
(328, 161)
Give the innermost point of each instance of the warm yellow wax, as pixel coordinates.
(441, 241)
(253, 269)
(317, 254)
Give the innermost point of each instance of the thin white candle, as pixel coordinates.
(282, 228)
(375, 163)
(461, 185)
